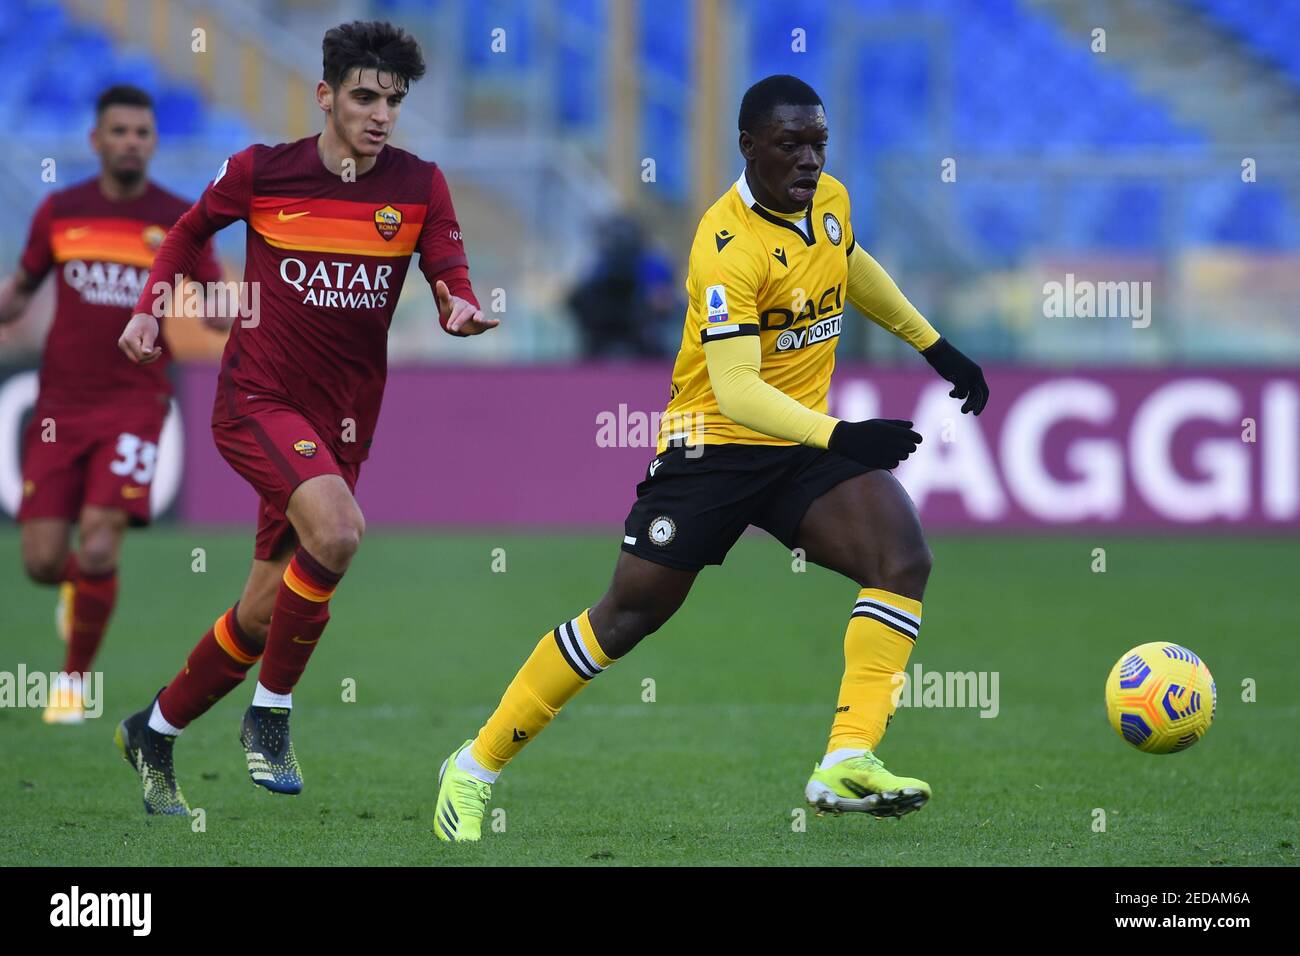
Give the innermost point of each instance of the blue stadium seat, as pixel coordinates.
(480, 20)
(1256, 217)
(580, 73)
(179, 110)
(1268, 30)
(1130, 218)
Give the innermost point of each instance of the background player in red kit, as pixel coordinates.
(90, 449)
(332, 223)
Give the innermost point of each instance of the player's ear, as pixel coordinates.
(747, 145)
(324, 96)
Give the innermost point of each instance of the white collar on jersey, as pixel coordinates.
(747, 197)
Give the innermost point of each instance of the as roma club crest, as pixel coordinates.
(388, 220)
(153, 236)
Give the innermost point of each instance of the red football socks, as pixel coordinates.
(92, 605)
(301, 612)
(215, 667)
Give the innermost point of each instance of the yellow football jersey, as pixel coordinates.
(753, 272)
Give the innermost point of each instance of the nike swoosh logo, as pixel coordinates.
(77, 233)
(654, 466)
(293, 215)
(299, 640)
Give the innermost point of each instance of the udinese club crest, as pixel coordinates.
(388, 220)
(832, 226)
(662, 531)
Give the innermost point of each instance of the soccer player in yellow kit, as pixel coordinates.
(746, 440)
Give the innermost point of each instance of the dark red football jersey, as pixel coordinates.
(329, 257)
(102, 251)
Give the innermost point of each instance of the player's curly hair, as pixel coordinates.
(371, 44)
(780, 89)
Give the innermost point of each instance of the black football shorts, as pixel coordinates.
(693, 505)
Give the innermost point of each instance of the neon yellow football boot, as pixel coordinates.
(461, 802)
(65, 705)
(863, 785)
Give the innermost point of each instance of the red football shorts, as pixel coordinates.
(104, 457)
(274, 448)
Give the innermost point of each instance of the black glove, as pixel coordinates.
(878, 443)
(967, 377)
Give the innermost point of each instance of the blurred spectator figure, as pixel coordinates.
(627, 305)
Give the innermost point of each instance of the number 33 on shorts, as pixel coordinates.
(136, 459)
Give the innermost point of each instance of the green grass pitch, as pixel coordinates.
(712, 771)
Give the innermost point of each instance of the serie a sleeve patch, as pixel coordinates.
(715, 303)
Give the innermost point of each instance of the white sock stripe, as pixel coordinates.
(889, 622)
(877, 603)
(889, 609)
(905, 630)
(591, 658)
(581, 645)
(902, 627)
(576, 657)
(562, 642)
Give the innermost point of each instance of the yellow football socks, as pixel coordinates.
(560, 666)
(879, 640)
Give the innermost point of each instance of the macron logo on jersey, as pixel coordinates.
(715, 301)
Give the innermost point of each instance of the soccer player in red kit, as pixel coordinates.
(332, 223)
(91, 447)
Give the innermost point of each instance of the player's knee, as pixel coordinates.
(622, 628)
(44, 568)
(906, 570)
(255, 626)
(97, 555)
(335, 545)
(100, 541)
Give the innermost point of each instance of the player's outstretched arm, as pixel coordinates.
(15, 296)
(459, 316)
(37, 259)
(187, 252)
(209, 270)
(878, 297)
(176, 258)
(746, 399)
